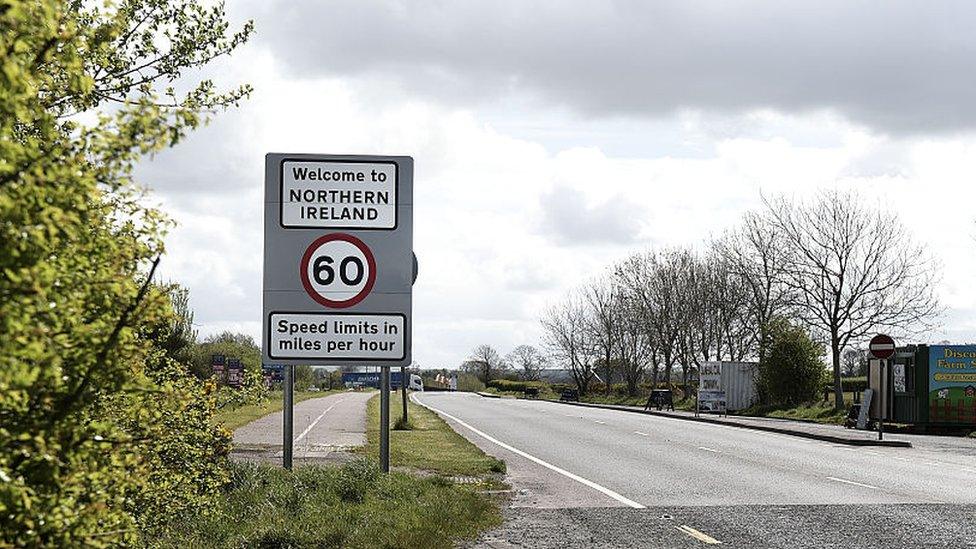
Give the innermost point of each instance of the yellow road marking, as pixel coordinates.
(702, 537)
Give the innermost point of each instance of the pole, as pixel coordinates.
(403, 391)
(385, 419)
(288, 415)
(882, 398)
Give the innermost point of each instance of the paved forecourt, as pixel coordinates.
(323, 426)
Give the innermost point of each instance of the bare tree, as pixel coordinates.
(566, 335)
(635, 342)
(527, 360)
(757, 254)
(852, 270)
(602, 299)
(654, 279)
(485, 362)
(854, 362)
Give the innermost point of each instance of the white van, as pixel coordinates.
(416, 384)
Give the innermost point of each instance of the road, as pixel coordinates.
(572, 468)
(323, 428)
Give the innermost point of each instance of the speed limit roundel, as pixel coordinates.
(338, 270)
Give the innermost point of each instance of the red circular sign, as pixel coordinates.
(338, 270)
(882, 346)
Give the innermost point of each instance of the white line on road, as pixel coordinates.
(845, 481)
(600, 422)
(530, 457)
(314, 423)
(641, 434)
(700, 536)
(707, 449)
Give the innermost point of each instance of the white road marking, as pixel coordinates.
(845, 481)
(700, 536)
(314, 423)
(534, 459)
(641, 434)
(707, 449)
(600, 422)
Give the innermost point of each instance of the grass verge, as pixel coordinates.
(351, 506)
(234, 417)
(428, 444)
(817, 411)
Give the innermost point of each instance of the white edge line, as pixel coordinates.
(845, 481)
(532, 458)
(314, 423)
(707, 449)
(700, 536)
(641, 434)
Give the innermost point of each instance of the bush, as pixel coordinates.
(792, 372)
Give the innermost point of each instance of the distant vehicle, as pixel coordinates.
(416, 383)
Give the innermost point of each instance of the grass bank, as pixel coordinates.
(233, 417)
(428, 444)
(351, 506)
(817, 411)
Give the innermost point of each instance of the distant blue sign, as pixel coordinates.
(369, 379)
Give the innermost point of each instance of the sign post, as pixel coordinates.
(338, 266)
(882, 347)
(288, 414)
(385, 420)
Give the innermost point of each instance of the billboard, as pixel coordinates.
(952, 382)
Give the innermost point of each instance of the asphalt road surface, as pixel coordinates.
(594, 477)
(323, 428)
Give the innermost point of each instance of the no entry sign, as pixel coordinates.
(882, 346)
(338, 259)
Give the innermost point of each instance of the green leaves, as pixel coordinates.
(103, 433)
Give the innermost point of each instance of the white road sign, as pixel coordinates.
(360, 195)
(338, 259)
(338, 270)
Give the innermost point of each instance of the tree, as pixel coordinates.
(792, 372)
(485, 362)
(103, 435)
(852, 271)
(757, 255)
(527, 360)
(566, 335)
(602, 324)
(855, 362)
(304, 377)
(654, 281)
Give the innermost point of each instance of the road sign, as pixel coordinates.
(882, 346)
(338, 259)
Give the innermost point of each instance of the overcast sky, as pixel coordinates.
(552, 140)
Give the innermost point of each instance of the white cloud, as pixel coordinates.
(513, 208)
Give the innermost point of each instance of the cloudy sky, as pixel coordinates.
(551, 139)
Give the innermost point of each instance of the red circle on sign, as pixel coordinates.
(321, 299)
(882, 346)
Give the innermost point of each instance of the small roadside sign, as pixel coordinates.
(882, 347)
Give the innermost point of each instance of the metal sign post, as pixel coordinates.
(338, 265)
(385, 419)
(882, 347)
(403, 391)
(882, 398)
(288, 415)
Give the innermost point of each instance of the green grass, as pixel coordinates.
(351, 506)
(429, 444)
(819, 412)
(234, 417)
